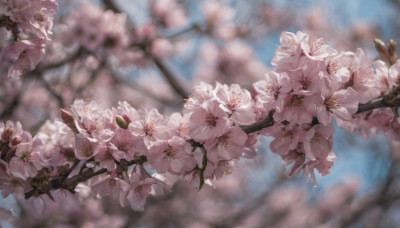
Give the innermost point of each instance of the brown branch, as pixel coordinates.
(390, 100)
(56, 95)
(72, 182)
(122, 81)
(192, 28)
(40, 69)
(267, 122)
(9, 109)
(111, 6)
(179, 89)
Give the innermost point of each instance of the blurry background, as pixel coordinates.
(231, 42)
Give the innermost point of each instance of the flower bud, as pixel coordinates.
(382, 49)
(68, 120)
(6, 135)
(127, 119)
(121, 122)
(392, 46)
(17, 140)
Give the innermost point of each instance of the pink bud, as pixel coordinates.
(382, 49)
(392, 46)
(16, 140)
(6, 135)
(68, 120)
(127, 119)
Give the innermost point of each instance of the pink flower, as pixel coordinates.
(363, 79)
(33, 16)
(341, 104)
(207, 121)
(394, 74)
(122, 145)
(228, 146)
(318, 141)
(13, 134)
(323, 165)
(93, 122)
(286, 138)
(306, 80)
(116, 188)
(271, 92)
(339, 70)
(105, 156)
(151, 127)
(297, 157)
(21, 165)
(49, 155)
(140, 189)
(314, 49)
(84, 149)
(179, 124)
(216, 13)
(219, 168)
(173, 155)
(201, 93)
(297, 109)
(287, 55)
(169, 13)
(236, 102)
(10, 184)
(383, 82)
(25, 56)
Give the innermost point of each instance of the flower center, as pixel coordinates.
(211, 120)
(331, 103)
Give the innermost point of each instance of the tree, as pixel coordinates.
(61, 165)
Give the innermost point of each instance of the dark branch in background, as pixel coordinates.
(92, 77)
(40, 69)
(122, 81)
(8, 110)
(170, 78)
(56, 95)
(383, 198)
(37, 72)
(109, 4)
(194, 27)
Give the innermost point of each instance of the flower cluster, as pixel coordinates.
(81, 30)
(33, 18)
(313, 84)
(129, 154)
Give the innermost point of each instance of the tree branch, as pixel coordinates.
(179, 89)
(390, 100)
(267, 122)
(72, 182)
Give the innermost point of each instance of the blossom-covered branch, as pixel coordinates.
(128, 154)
